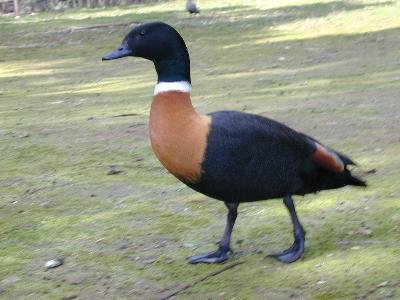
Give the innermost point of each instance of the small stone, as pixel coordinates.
(371, 171)
(355, 248)
(168, 261)
(69, 297)
(149, 260)
(321, 282)
(54, 263)
(123, 245)
(383, 284)
(23, 135)
(113, 171)
(189, 245)
(365, 231)
(45, 204)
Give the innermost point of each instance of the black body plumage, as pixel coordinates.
(250, 158)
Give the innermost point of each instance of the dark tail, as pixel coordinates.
(323, 179)
(352, 180)
(326, 180)
(348, 177)
(337, 180)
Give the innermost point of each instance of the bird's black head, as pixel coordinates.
(160, 43)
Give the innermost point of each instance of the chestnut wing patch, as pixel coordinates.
(327, 159)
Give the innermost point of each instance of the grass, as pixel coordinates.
(328, 68)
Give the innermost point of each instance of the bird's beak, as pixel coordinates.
(122, 51)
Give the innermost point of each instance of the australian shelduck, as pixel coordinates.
(230, 156)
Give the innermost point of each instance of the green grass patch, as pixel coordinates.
(327, 68)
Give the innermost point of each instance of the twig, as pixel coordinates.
(198, 280)
(115, 116)
(125, 115)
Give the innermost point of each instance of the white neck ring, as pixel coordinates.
(176, 86)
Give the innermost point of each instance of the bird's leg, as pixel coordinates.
(297, 249)
(221, 254)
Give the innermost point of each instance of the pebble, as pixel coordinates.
(365, 231)
(189, 245)
(149, 260)
(23, 135)
(70, 297)
(383, 284)
(54, 263)
(168, 261)
(114, 172)
(123, 245)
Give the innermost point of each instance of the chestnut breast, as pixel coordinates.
(178, 134)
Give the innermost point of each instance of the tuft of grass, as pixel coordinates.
(327, 68)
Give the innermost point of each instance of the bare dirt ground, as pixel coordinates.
(78, 179)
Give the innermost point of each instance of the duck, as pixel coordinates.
(231, 156)
(191, 7)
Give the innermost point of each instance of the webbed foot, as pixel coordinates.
(291, 254)
(215, 257)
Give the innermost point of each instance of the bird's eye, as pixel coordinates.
(142, 33)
